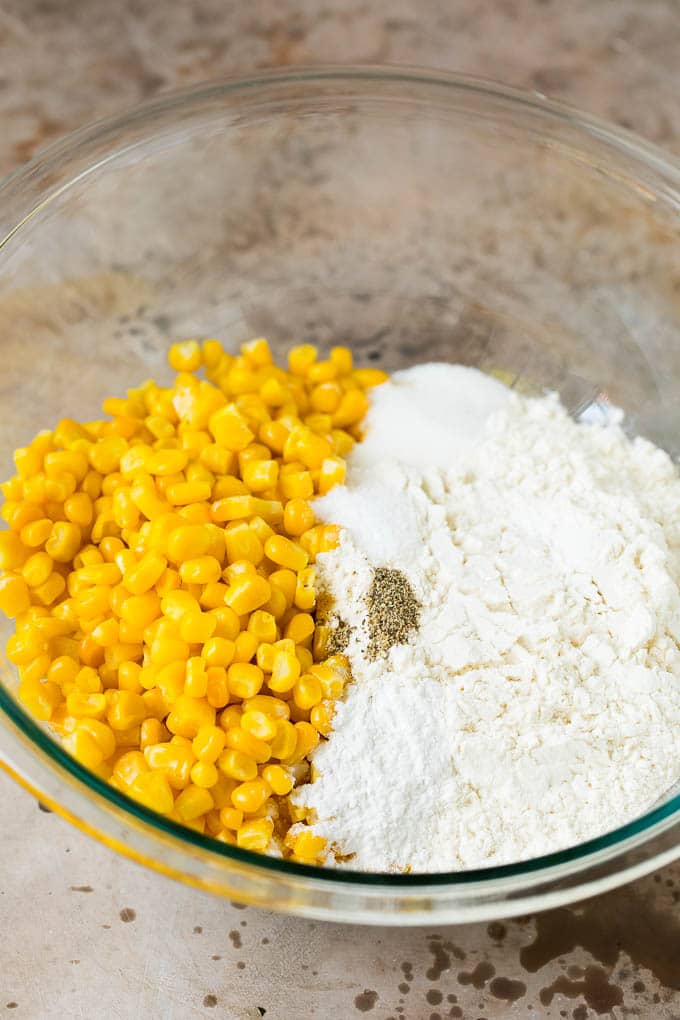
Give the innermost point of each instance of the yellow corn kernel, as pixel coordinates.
(259, 725)
(297, 485)
(245, 679)
(99, 573)
(262, 626)
(196, 628)
(284, 581)
(285, 672)
(202, 570)
(369, 377)
(80, 704)
(14, 594)
(143, 576)
(224, 488)
(260, 475)
(284, 743)
(141, 610)
(228, 623)
(276, 604)
(247, 594)
(305, 592)
(25, 646)
(239, 569)
(176, 604)
(188, 715)
(64, 542)
(188, 542)
(265, 656)
(151, 789)
(251, 795)
(212, 352)
(41, 698)
(166, 462)
(13, 552)
(243, 543)
(298, 517)
(174, 760)
(278, 778)
(184, 493)
(218, 651)
(106, 453)
(239, 740)
(129, 767)
(255, 835)
(307, 739)
(321, 718)
(300, 627)
(185, 356)
(106, 633)
(230, 818)
(35, 670)
(126, 709)
(204, 775)
(301, 358)
(307, 691)
(33, 535)
(230, 429)
(307, 847)
(84, 748)
(208, 744)
(193, 802)
(237, 765)
(152, 731)
(196, 683)
(285, 553)
(78, 509)
(217, 693)
(333, 472)
(245, 647)
(212, 596)
(232, 508)
(274, 707)
(352, 409)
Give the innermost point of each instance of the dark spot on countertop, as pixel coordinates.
(265, 941)
(366, 1001)
(594, 986)
(580, 1013)
(456, 1011)
(198, 930)
(238, 906)
(235, 939)
(244, 924)
(407, 970)
(507, 989)
(81, 888)
(434, 996)
(241, 965)
(216, 957)
(44, 807)
(261, 1010)
(11, 1005)
(127, 914)
(496, 931)
(618, 922)
(638, 987)
(477, 977)
(404, 988)
(210, 1001)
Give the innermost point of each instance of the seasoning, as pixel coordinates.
(393, 611)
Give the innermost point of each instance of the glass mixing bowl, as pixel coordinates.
(413, 216)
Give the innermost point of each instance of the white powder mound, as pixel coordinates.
(538, 705)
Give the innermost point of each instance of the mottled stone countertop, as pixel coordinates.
(86, 934)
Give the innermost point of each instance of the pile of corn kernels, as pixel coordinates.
(159, 567)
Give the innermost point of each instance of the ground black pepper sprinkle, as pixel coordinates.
(393, 611)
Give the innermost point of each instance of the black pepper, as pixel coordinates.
(393, 611)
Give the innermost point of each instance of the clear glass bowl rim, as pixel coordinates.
(23, 194)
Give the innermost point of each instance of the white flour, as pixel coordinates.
(539, 703)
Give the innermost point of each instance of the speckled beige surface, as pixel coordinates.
(86, 934)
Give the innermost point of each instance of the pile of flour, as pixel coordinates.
(538, 703)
